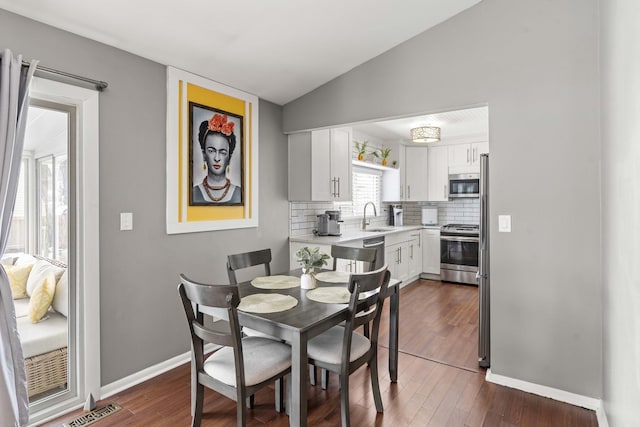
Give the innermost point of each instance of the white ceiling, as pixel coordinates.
(470, 122)
(275, 49)
(46, 131)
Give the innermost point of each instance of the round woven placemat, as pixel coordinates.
(267, 303)
(329, 295)
(276, 282)
(333, 277)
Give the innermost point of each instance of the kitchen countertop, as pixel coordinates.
(351, 235)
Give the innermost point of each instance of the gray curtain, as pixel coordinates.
(14, 95)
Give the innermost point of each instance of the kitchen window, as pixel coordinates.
(366, 186)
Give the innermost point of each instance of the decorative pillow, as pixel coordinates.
(18, 276)
(40, 270)
(25, 259)
(61, 298)
(8, 259)
(42, 297)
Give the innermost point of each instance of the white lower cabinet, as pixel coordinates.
(403, 255)
(393, 257)
(430, 251)
(415, 255)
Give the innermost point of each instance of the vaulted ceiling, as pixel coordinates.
(276, 49)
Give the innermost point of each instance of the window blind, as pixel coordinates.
(366, 186)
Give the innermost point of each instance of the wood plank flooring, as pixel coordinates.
(428, 393)
(439, 322)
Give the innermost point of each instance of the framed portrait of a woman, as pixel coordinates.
(215, 170)
(212, 155)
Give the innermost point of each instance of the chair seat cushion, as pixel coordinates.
(327, 347)
(263, 358)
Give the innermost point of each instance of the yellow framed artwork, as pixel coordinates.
(212, 155)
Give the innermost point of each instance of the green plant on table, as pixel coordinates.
(311, 258)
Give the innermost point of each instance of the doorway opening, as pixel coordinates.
(54, 239)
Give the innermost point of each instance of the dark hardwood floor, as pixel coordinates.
(438, 322)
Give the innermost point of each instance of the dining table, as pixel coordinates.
(307, 319)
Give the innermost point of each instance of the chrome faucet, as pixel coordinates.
(364, 214)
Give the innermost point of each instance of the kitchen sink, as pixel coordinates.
(379, 229)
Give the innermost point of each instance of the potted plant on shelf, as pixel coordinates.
(310, 259)
(362, 149)
(383, 153)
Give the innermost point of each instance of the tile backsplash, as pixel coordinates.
(461, 211)
(302, 215)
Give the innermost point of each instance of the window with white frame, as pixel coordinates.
(18, 241)
(366, 186)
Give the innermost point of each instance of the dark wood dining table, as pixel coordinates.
(304, 321)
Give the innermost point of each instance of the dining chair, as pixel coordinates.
(248, 259)
(244, 260)
(341, 349)
(241, 366)
(367, 255)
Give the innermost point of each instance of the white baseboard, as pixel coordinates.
(602, 416)
(148, 373)
(552, 393)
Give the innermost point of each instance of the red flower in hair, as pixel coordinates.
(227, 128)
(219, 123)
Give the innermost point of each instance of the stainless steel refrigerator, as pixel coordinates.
(484, 339)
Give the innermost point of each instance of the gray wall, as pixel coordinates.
(535, 63)
(142, 320)
(621, 209)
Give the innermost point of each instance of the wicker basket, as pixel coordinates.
(46, 371)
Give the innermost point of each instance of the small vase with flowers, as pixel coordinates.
(310, 259)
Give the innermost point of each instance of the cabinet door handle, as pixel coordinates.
(411, 253)
(467, 155)
(445, 191)
(338, 187)
(408, 192)
(400, 250)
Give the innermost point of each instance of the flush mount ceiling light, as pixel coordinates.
(425, 134)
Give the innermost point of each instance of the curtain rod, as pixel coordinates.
(99, 84)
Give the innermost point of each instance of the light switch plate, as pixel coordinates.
(126, 221)
(504, 223)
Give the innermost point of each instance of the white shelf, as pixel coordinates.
(371, 165)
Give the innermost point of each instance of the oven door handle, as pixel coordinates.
(459, 239)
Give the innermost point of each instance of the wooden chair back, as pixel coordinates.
(246, 260)
(193, 295)
(367, 255)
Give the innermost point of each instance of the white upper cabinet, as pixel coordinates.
(465, 158)
(438, 171)
(320, 165)
(415, 174)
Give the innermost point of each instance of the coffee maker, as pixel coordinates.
(322, 227)
(329, 223)
(335, 218)
(395, 215)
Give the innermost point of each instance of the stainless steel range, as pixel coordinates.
(459, 253)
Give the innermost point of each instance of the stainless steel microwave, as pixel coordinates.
(464, 185)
